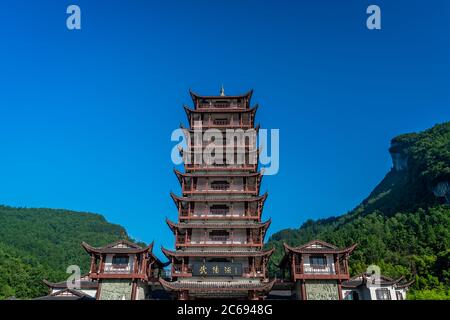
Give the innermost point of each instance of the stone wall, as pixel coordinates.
(115, 289)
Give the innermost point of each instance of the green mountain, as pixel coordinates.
(403, 225)
(38, 244)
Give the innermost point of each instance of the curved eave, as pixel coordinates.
(178, 199)
(63, 285)
(263, 287)
(92, 250)
(177, 254)
(181, 175)
(89, 248)
(215, 110)
(405, 285)
(49, 283)
(348, 250)
(172, 225)
(150, 247)
(196, 96)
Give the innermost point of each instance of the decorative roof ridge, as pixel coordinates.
(303, 249)
(195, 96)
(170, 253)
(104, 249)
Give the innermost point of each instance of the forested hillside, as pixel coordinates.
(404, 224)
(41, 243)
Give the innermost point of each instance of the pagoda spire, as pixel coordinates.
(222, 91)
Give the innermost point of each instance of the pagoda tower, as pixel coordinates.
(219, 235)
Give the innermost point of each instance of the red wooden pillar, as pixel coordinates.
(102, 263)
(339, 289)
(337, 267)
(133, 289)
(92, 264)
(303, 290)
(293, 267)
(135, 264)
(301, 264)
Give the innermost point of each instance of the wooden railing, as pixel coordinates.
(217, 240)
(220, 122)
(224, 123)
(117, 268)
(221, 186)
(224, 213)
(218, 189)
(319, 269)
(219, 211)
(213, 105)
(236, 167)
(179, 269)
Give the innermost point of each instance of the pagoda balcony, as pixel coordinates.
(117, 269)
(218, 241)
(118, 272)
(247, 145)
(319, 271)
(220, 188)
(220, 105)
(219, 123)
(219, 167)
(218, 214)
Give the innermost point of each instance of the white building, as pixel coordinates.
(370, 287)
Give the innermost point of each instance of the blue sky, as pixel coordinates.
(86, 116)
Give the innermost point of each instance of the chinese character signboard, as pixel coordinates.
(216, 269)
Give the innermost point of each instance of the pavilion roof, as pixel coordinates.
(362, 279)
(213, 252)
(223, 224)
(66, 294)
(85, 283)
(318, 246)
(196, 96)
(220, 110)
(314, 247)
(177, 199)
(180, 174)
(202, 286)
(120, 246)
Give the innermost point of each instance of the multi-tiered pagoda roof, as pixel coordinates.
(219, 235)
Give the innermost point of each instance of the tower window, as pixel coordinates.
(220, 185)
(383, 294)
(120, 261)
(219, 209)
(318, 262)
